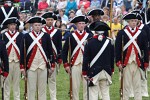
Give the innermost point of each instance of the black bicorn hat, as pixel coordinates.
(99, 26)
(131, 16)
(81, 18)
(11, 20)
(49, 15)
(96, 12)
(36, 19)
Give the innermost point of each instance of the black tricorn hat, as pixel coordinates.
(99, 26)
(131, 16)
(79, 19)
(36, 19)
(49, 15)
(11, 20)
(96, 12)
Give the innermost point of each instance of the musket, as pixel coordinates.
(25, 92)
(69, 57)
(111, 10)
(87, 89)
(121, 84)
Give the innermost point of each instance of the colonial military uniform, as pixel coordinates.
(4, 65)
(7, 11)
(76, 41)
(12, 40)
(98, 65)
(135, 57)
(56, 38)
(38, 53)
(146, 29)
(4, 68)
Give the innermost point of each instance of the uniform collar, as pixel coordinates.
(132, 29)
(80, 32)
(12, 32)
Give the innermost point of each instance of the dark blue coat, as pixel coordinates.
(57, 40)
(46, 45)
(104, 62)
(146, 28)
(4, 57)
(73, 44)
(7, 9)
(18, 39)
(141, 41)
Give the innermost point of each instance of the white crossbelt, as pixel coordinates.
(11, 41)
(79, 43)
(53, 45)
(5, 14)
(36, 41)
(51, 35)
(132, 40)
(141, 26)
(99, 53)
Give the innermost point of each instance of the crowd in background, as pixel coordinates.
(66, 10)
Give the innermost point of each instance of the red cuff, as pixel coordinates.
(149, 52)
(66, 65)
(146, 65)
(21, 66)
(52, 65)
(118, 63)
(112, 70)
(59, 61)
(84, 73)
(5, 74)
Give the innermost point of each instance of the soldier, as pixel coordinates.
(38, 53)
(56, 38)
(96, 15)
(7, 11)
(133, 43)
(4, 67)
(98, 65)
(145, 28)
(12, 39)
(76, 41)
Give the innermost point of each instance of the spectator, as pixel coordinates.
(64, 18)
(95, 4)
(84, 3)
(61, 4)
(39, 13)
(58, 24)
(64, 31)
(43, 5)
(71, 14)
(106, 11)
(71, 5)
(123, 10)
(105, 19)
(53, 3)
(115, 27)
(81, 11)
(117, 3)
(127, 4)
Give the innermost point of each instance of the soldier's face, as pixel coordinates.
(80, 26)
(96, 17)
(12, 27)
(49, 22)
(37, 27)
(133, 23)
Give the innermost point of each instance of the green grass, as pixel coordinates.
(63, 87)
